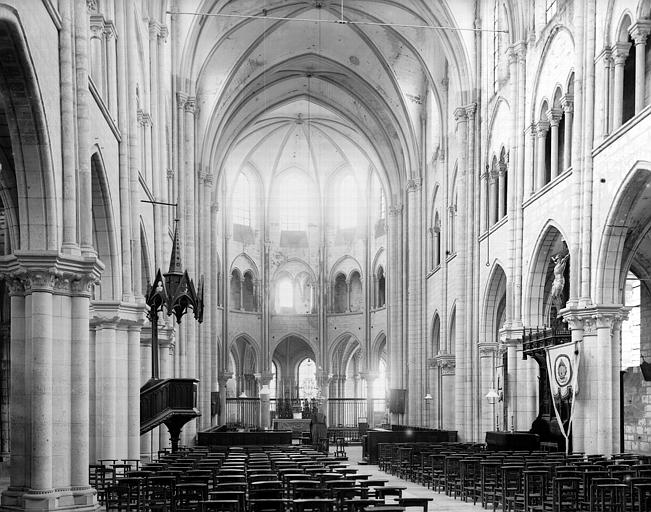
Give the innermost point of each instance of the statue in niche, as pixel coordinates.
(560, 261)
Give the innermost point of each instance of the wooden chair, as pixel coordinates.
(219, 506)
(566, 493)
(160, 493)
(314, 505)
(188, 496)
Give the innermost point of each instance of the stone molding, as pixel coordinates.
(594, 317)
(395, 210)
(542, 127)
(567, 103)
(620, 52)
(639, 31)
(460, 114)
(117, 314)
(97, 26)
(447, 363)
(27, 272)
(181, 99)
(154, 30)
(190, 104)
(414, 184)
(488, 349)
(554, 115)
(223, 377)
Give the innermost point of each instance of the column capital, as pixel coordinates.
(593, 317)
(97, 25)
(542, 127)
(493, 175)
(91, 5)
(109, 30)
(170, 174)
(620, 52)
(164, 33)
(554, 115)
(181, 99)
(502, 167)
(519, 48)
(190, 104)
(208, 180)
(447, 363)
(640, 31)
(460, 114)
(567, 103)
(414, 184)
(214, 207)
(154, 30)
(222, 378)
(471, 110)
(488, 349)
(50, 272)
(395, 210)
(369, 376)
(264, 378)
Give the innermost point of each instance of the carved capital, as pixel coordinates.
(109, 30)
(554, 115)
(640, 31)
(222, 378)
(164, 34)
(154, 30)
(542, 127)
(97, 26)
(91, 5)
(447, 363)
(460, 114)
(190, 105)
(567, 103)
(520, 49)
(471, 110)
(208, 180)
(414, 184)
(620, 52)
(395, 210)
(170, 174)
(488, 349)
(181, 99)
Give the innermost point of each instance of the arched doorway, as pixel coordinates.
(292, 354)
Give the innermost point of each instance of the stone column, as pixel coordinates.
(492, 206)
(97, 67)
(222, 379)
(265, 405)
(414, 346)
(50, 382)
(485, 200)
(567, 103)
(542, 127)
(370, 378)
(554, 116)
(620, 52)
(501, 191)
(447, 366)
(639, 32)
(487, 353)
(394, 307)
(597, 418)
(111, 71)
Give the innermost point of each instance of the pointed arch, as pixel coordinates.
(494, 301)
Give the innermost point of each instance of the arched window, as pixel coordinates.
(356, 295)
(347, 203)
(248, 293)
(242, 201)
(285, 294)
(307, 388)
(381, 285)
(340, 294)
(294, 200)
(236, 290)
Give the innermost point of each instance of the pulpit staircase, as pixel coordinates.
(172, 402)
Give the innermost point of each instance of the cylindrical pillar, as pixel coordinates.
(567, 103)
(639, 32)
(133, 412)
(501, 192)
(554, 117)
(620, 52)
(541, 169)
(492, 199)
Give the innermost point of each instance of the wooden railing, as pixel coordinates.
(169, 401)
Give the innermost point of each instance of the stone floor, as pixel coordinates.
(440, 502)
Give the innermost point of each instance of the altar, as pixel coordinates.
(296, 426)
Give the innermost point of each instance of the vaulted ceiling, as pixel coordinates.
(309, 74)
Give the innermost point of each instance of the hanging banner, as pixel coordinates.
(563, 371)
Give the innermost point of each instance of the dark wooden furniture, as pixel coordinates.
(512, 441)
(266, 437)
(375, 436)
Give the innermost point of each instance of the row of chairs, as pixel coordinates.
(280, 479)
(524, 481)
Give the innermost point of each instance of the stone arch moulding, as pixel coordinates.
(102, 205)
(492, 145)
(243, 263)
(344, 338)
(532, 303)
(345, 265)
(610, 263)
(539, 90)
(30, 142)
(495, 285)
(248, 338)
(377, 347)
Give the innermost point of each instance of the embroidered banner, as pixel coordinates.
(563, 371)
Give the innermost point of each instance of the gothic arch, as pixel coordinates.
(536, 291)
(37, 218)
(624, 232)
(494, 294)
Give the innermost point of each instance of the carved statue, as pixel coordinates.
(559, 260)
